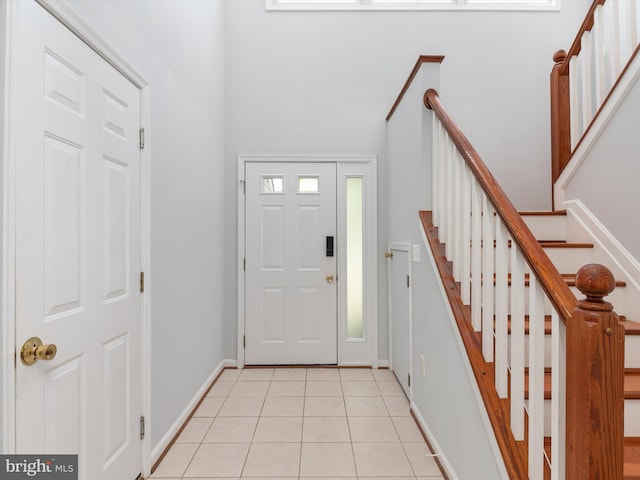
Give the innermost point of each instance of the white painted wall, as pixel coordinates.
(606, 180)
(178, 46)
(323, 82)
(3, 110)
(447, 395)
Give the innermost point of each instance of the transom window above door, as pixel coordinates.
(391, 5)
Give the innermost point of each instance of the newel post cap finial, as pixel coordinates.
(559, 57)
(595, 282)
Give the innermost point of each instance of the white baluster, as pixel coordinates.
(614, 42)
(435, 174)
(586, 81)
(574, 100)
(558, 396)
(636, 19)
(457, 213)
(448, 219)
(442, 180)
(502, 309)
(517, 343)
(599, 62)
(476, 255)
(624, 32)
(466, 237)
(610, 47)
(536, 379)
(488, 232)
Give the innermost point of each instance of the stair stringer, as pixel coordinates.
(446, 413)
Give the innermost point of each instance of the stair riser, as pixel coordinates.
(631, 351)
(569, 260)
(547, 227)
(631, 418)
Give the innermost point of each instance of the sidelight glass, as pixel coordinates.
(355, 250)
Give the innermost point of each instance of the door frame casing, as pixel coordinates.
(351, 352)
(72, 21)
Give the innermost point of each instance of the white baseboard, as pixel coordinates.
(230, 363)
(629, 266)
(437, 451)
(182, 418)
(383, 363)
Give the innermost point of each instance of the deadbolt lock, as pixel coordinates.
(33, 350)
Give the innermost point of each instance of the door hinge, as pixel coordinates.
(408, 379)
(141, 428)
(141, 138)
(244, 264)
(244, 341)
(408, 281)
(244, 186)
(141, 282)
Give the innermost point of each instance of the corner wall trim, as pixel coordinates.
(169, 437)
(441, 459)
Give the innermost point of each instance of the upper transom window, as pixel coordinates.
(412, 4)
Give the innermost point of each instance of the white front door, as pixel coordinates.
(77, 191)
(290, 249)
(400, 314)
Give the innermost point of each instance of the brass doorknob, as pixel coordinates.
(34, 350)
(330, 278)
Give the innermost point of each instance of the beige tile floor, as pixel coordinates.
(286, 423)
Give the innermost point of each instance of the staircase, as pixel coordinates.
(550, 362)
(557, 369)
(566, 253)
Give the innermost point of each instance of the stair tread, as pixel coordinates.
(631, 384)
(564, 244)
(552, 213)
(630, 327)
(569, 278)
(632, 458)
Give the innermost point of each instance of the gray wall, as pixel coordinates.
(445, 395)
(323, 82)
(3, 354)
(178, 46)
(614, 163)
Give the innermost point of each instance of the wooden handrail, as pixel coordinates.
(421, 59)
(550, 279)
(576, 46)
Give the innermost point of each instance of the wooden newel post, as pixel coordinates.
(595, 381)
(560, 116)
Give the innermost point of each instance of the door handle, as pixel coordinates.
(330, 278)
(34, 350)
